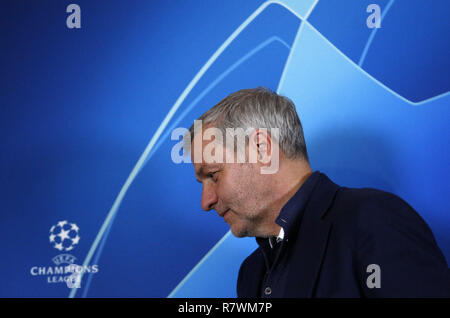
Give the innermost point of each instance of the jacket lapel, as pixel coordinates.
(310, 242)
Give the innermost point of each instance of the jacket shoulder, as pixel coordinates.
(381, 228)
(368, 208)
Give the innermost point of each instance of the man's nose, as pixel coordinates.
(209, 197)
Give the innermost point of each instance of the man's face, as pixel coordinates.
(237, 191)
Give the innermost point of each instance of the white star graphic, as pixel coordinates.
(59, 246)
(62, 223)
(76, 240)
(52, 237)
(75, 227)
(64, 234)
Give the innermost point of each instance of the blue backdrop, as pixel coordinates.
(86, 116)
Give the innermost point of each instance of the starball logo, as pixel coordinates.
(64, 236)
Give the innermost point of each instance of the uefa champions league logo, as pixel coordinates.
(64, 236)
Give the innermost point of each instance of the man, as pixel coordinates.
(316, 239)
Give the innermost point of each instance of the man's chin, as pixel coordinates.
(239, 233)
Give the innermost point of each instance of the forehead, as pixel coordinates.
(207, 150)
(201, 165)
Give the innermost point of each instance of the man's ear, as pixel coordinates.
(261, 145)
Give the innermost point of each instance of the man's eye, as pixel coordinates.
(212, 174)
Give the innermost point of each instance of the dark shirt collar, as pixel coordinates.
(291, 213)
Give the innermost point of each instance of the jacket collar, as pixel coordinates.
(311, 237)
(306, 232)
(291, 214)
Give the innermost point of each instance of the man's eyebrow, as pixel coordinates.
(201, 172)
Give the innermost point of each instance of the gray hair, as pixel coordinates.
(259, 108)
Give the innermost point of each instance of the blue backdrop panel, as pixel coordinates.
(87, 115)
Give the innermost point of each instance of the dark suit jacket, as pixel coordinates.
(332, 235)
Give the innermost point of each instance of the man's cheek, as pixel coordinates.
(222, 191)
